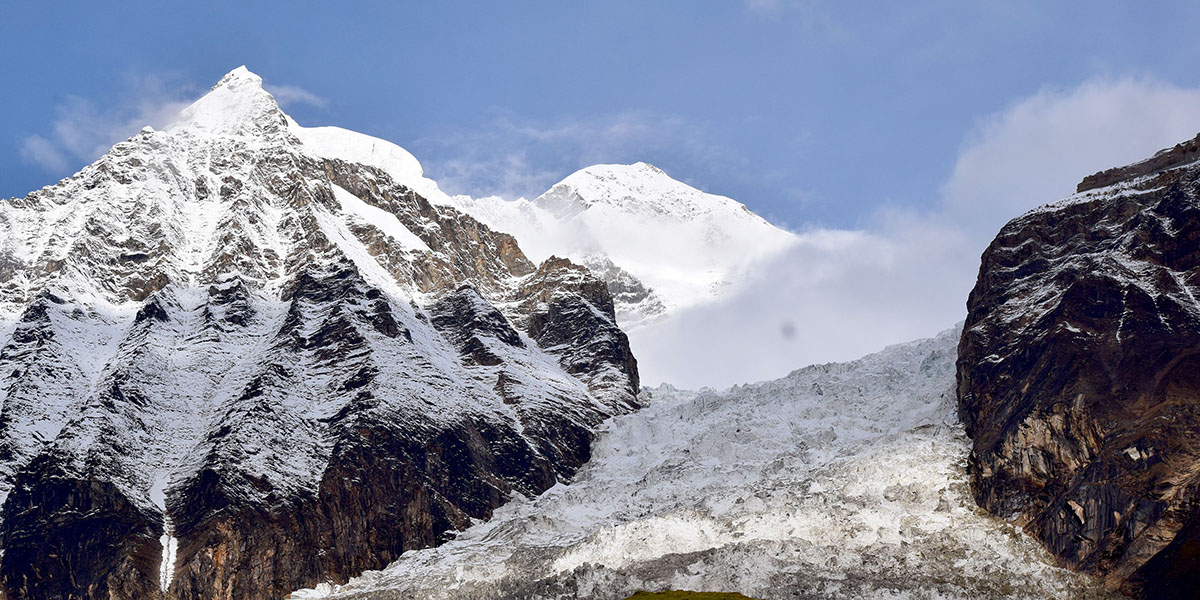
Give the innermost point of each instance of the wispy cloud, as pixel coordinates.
(774, 8)
(521, 157)
(38, 150)
(291, 95)
(83, 129)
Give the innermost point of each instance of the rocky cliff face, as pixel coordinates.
(240, 357)
(1079, 376)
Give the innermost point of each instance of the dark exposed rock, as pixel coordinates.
(1079, 376)
(76, 536)
(471, 323)
(568, 310)
(383, 492)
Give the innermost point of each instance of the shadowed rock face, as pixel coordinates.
(288, 363)
(73, 537)
(1079, 376)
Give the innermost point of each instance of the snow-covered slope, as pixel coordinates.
(663, 245)
(837, 481)
(264, 346)
(350, 146)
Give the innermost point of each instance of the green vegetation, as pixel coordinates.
(681, 595)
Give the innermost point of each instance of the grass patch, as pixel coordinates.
(682, 595)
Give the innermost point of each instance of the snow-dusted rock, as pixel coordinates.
(1077, 375)
(262, 346)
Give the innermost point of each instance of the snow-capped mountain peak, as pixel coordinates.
(238, 77)
(639, 188)
(239, 332)
(661, 244)
(238, 103)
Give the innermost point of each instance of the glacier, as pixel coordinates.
(837, 481)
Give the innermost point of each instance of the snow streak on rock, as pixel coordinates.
(837, 481)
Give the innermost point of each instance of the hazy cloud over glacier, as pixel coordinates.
(840, 294)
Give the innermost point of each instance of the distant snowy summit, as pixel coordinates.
(663, 246)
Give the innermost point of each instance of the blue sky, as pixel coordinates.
(895, 138)
(813, 113)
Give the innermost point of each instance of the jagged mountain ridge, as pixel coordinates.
(662, 245)
(245, 338)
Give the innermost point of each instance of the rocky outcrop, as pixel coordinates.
(1079, 376)
(1161, 163)
(568, 310)
(632, 299)
(235, 362)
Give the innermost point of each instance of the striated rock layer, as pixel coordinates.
(240, 357)
(1079, 376)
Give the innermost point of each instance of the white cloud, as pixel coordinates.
(82, 130)
(509, 174)
(842, 294)
(291, 95)
(500, 159)
(1038, 149)
(836, 296)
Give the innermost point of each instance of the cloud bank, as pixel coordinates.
(841, 294)
(1038, 149)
